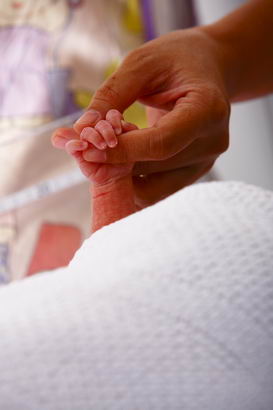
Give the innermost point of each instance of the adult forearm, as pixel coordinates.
(244, 40)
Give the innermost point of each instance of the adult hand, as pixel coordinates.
(180, 76)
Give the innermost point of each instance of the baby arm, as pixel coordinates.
(112, 196)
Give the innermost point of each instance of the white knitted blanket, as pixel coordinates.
(170, 308)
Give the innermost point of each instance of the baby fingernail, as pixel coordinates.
(74, 146)
(103, 145)
(80, 144)
(95, 155)
(118, 130)
(88, 118)
(112, 143)
(83, 144)
(59, 142)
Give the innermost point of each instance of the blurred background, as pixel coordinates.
(54, 56)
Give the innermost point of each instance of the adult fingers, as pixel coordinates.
(119, 91)
(132, 146)
(201, 150)
(150, 144)
(195, 116)
(154, 187)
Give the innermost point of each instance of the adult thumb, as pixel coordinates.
(119, 91)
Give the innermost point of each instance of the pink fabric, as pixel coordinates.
(55, 247)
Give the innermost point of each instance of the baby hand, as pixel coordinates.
(93, 142)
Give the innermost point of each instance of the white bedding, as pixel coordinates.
(170, 308)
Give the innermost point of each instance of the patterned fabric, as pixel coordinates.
(170, 308)
(54, 55)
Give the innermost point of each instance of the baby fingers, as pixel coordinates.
(114, 117)
(61, 136)
(89, 169)
(101, 136)
(107, 132)
(74, 146)
(94, 137)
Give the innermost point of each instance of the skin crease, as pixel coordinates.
(188, 79)
(112, 194)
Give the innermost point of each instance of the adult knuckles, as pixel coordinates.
(224, 143)
(140, 56)
(220, 143)
(143, 65)
(221, 110)
(220, 106)
(213, 102)
(208, 166)
(217, 112)
(107, 94)
(221, 114)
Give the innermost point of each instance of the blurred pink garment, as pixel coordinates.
(24, 86)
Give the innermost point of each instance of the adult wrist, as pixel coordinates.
(225, 54)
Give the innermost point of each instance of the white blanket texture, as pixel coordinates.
(168, 309)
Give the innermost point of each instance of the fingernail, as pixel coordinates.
(112, 143)
(74, 146)
(88, 118)
(95, 155)
(102, 145)
(118, 131)
(59, 141)
(78, 143)
(87, 133)
(82, 144)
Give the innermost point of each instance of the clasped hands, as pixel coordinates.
(178, 78)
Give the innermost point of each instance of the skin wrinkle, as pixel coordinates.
(187, 78)
(112, 194)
